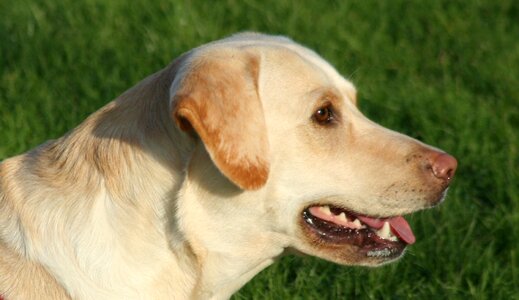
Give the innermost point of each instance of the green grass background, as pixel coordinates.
(446, 72)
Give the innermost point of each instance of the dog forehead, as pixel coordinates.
(297, 66)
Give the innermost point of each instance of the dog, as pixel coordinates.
(196, 179)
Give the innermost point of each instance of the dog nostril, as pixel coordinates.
(444, 166)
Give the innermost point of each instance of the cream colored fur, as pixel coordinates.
(193, 181)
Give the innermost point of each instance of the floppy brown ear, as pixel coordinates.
(218, 98)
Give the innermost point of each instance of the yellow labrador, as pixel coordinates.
(196, 179)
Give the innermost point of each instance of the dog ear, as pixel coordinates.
(217, 96)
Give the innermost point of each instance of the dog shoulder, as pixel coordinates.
(24, 279)
(20, 277)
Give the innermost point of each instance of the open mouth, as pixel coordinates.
(376, 237)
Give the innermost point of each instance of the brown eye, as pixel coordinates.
(323, 115)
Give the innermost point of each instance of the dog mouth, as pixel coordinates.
(374, 237)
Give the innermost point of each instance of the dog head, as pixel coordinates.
(286, 155)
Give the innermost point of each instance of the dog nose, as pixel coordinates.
(444, 167)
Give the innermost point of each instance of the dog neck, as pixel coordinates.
(229, 253)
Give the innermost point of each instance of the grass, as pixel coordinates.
(446, 72)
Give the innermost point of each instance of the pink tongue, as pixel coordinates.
(402, 229)
(399, 226)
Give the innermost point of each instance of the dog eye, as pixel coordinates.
(324, 115)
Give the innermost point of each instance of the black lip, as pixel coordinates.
(365, 239)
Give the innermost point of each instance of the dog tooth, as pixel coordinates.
(342, 217)
(385, 231)
(357, 223)
(326, 210)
